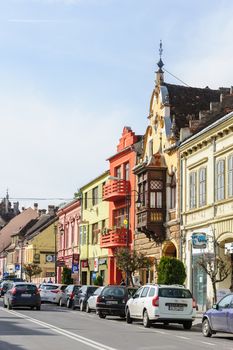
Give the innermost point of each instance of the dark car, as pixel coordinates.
(112, 300)
(219, 318)
(22, 294)
(3, 287)
(68, 296)
(81, 296)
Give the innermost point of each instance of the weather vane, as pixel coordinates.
(160, 49)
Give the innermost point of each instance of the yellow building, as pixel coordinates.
(95, 212)
(207, 203)
(39, 247)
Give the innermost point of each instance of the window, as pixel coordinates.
(95, 196)
(151, 292)
(202, 187)
(118, 172)
(126, 171)
(230, 176)
(220, 180)
(119, 217)
(85, 200)
(226, 302)
(156, 187)
(173, 192)
(193, 190)
(144, 292)
(84, 235)
(95, 233)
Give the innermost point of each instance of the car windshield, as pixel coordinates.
(98, 291)
(175, 293)
(51, 287)
(26, 287)
(114, 292)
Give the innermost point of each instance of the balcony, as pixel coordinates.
(115, 190)
(114, 238)
(151, 222)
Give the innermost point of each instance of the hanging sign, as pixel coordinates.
(199, 240)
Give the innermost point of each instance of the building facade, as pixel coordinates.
(206, 165)
(67, 239)
(120, 192)
(94, 220)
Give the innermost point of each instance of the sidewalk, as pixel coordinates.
(198, 319)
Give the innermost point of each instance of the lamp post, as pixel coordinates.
(61, 231)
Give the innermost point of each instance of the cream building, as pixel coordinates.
(206, 166)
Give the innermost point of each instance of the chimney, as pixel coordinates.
(43, 211)
(51, 210)
(36, 207)
(16, 208)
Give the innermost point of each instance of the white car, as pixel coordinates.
(91, 302)
(162, 303)
(51, 292)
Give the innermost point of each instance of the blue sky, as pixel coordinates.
(73, 73)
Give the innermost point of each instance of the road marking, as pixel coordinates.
(205, 342)
(79, 338)
(181, 337)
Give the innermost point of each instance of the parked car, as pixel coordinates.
(162, 303)
(112, 300)
(51, 292)
(22, 294)
(91, 302)
(3, 287)
(68, 295)
(81, 296)
(219, 317)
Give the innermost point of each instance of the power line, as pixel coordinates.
(176, 78)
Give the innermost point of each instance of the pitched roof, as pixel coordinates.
(16, 225)
(42, 222)
(186, 101)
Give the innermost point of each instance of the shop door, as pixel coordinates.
(199, 279)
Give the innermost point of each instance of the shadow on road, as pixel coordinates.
(7, 346)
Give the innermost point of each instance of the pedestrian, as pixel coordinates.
(50, 281)
(122, 282)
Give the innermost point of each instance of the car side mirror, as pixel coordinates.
(135, 296)
(215, 306)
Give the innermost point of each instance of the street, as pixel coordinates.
(63, 329)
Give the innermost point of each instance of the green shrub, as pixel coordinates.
(66, 276)
(98, 281)
(171, 271)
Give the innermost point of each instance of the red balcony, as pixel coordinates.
(115, 190)
(114, 238)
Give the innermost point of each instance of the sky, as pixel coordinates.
(73, 73)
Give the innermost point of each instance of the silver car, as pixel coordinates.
(91, 302)
(51, 292)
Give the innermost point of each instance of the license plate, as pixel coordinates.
(176, 308)
(110, 302)
(25, 295)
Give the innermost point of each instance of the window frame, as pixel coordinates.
(230, 175)
(193, 190)
(202, 186)
(220, 186)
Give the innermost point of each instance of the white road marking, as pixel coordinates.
(205, 342)
(79, 338)
(181, 337)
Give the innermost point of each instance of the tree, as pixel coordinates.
(217, 268)
(31, 270)
(171, 271)
(129, 261)
(66, 276)
(98, 281)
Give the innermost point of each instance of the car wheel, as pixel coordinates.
(81, 306)
(101, 315)
(38, 307)
(206, 329)
(187, 324)
(146, 321)
(128, 318)
(88, 310)
(9, 306)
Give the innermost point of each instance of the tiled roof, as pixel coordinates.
(186, 101)
(16, 225)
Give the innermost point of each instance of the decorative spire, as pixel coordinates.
(159, 72)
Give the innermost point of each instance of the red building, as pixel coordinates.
(120, 192)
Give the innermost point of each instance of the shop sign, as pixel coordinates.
(102, 261)
(96, 264)
(50, 258)
(17, 267)
(84, 263)
(228, 248)
(199, 240)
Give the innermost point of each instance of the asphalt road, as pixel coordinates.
(56, 328)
